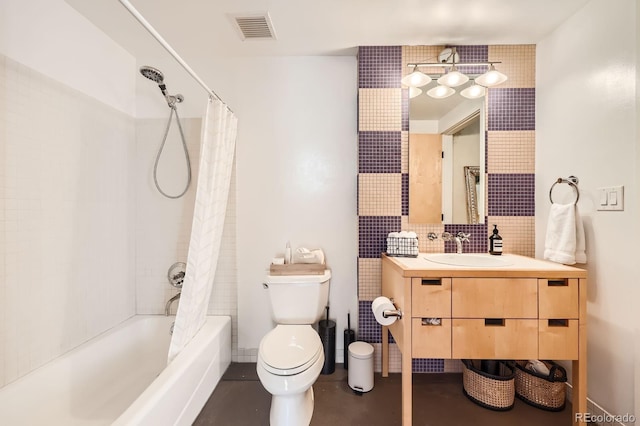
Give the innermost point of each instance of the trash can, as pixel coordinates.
(361, 366)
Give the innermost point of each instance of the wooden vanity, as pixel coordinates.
(527, 309)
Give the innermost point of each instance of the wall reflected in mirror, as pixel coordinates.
(446, 159)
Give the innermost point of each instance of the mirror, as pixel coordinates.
(446, 159)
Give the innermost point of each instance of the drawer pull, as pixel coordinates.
(558, 283)
(494, 322)
(431, 321)
(558, 323)
(426, 281)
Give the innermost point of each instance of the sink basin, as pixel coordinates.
(478, 260)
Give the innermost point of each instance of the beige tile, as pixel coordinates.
(511, 152)
(380, 194)
(369, 278)
(518, 63)
(404, 152)
(380, 110)
(417, 54)
(422, 229)
(395, 358)
(517, 232)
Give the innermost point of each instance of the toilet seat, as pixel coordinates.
(289, 349)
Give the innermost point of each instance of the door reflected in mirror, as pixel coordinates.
(446, 160)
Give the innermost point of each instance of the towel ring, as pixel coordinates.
(572, 181)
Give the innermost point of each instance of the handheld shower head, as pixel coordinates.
(156, 76)
(152, 74)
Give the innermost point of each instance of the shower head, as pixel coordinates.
(152, 74)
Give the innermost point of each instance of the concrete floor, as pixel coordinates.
(239, 399)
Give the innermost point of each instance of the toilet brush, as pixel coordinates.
(349, 338)
(327, 332)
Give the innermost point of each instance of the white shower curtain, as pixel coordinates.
(219, 129)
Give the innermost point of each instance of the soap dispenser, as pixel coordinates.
(495, 242)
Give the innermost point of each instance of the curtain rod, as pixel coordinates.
(168, 48)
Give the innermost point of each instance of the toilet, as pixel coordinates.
(291, 356)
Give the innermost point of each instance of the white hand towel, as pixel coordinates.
(581, 255)
(564, 242)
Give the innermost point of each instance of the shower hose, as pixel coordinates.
(174, 110)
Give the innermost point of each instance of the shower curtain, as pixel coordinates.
(219, 129)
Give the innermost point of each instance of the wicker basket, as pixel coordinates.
(489, 391)
(545, 392)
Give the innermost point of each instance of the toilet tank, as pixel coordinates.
(298, 299)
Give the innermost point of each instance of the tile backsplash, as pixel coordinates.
(383, 129)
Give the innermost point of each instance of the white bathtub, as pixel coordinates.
(121, 378)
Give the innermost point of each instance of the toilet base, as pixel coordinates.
(292, 410)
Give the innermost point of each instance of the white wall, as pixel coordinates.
(586, 112)
(296, 171)
(66, 203)
(52, 38)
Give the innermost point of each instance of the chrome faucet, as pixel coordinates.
(459, 238)
(167, 307)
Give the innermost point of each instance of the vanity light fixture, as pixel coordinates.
(454, 78)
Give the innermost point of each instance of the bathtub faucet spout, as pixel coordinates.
(167, 307)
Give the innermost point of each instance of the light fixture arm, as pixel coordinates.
(452, 64)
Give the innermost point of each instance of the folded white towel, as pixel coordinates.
(304, 255)
(565, 241)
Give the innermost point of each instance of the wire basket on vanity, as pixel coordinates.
(402, 246)
(495, 392)
(547, 392)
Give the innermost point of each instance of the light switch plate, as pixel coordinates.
(611, 198)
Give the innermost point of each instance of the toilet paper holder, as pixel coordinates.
(388, 313)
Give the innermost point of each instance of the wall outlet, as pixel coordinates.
(611, 198)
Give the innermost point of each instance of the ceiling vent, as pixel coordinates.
(254, 26)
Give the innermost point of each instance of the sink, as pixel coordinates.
(467, 259)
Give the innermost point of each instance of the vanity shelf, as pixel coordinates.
(526, 309)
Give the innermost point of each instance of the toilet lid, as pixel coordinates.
(290, 349)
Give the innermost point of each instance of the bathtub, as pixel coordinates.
(121, 378)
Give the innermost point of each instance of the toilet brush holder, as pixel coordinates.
(327, 332)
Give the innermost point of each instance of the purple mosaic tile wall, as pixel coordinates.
(473, 54)
(512, 109)
(405, 194)
(474, 245)
(379, 152)
(379, 66)
(372, 233)
(510, 195)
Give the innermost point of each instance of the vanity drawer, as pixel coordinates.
(494, 338)
(430, 341)
(431, 297)
(558, 339)
(558, 298)
(494, 298)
